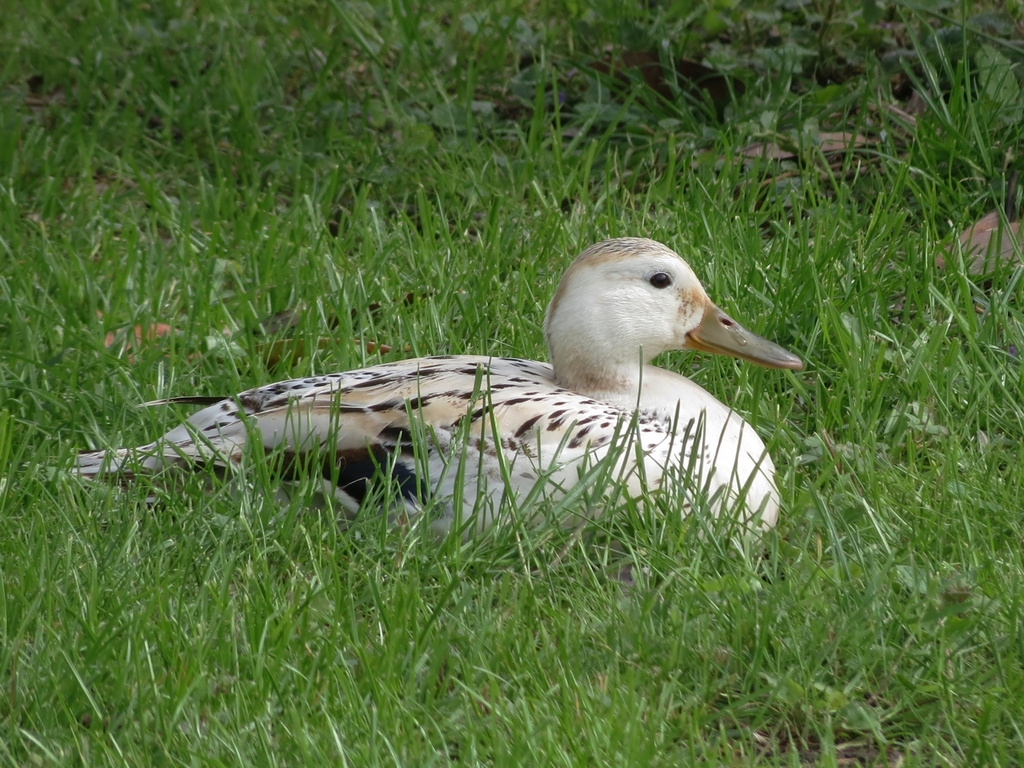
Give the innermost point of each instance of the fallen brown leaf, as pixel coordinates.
(122, 338)
(908, 120)
(691, 76)
(767, 150)
(39, 101)
(828, 143)
(155, 331)
(985, 244)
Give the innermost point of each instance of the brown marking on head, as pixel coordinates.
(689, 300)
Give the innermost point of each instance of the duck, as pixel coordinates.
(468, 436)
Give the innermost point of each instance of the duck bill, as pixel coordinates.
(720, 334)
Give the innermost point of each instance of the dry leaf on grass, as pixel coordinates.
(908, 112)
(986, 244)
(155, 331)
(828, 143)
(768, 150)
(690, 76)
(124, 339)
(37, 99)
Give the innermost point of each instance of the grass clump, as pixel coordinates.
(418, 177)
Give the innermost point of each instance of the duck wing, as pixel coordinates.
(519, 424)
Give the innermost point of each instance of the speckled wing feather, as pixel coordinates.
(486, 424)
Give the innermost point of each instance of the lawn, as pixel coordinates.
(198, 198)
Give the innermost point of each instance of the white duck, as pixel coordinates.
(469, 430)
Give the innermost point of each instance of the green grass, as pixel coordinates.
(421, 178)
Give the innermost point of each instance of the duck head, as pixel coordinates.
(623, 302)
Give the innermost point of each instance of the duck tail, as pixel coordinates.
(123, 463)
(93, 464)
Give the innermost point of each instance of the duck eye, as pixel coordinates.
(661, 280)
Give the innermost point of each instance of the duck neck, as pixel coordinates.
(617, 383)
(593, 350)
